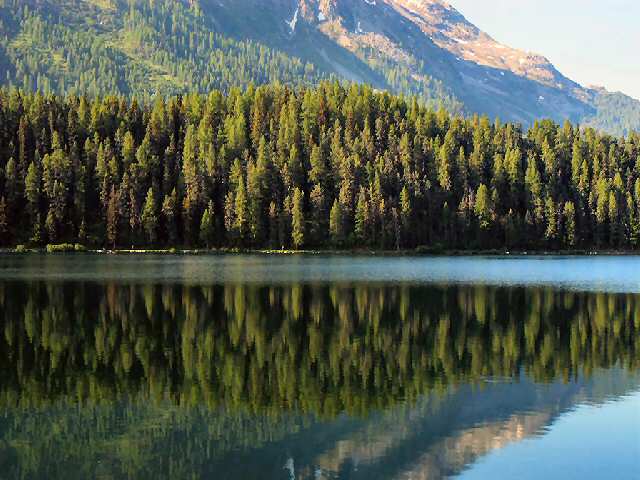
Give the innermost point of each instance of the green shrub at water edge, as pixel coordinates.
(65, 247)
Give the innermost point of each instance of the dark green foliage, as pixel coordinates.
(144, 47)
(332, 166)
(616, 113)
(131, 47)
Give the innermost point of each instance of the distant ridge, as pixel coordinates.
(416, 47)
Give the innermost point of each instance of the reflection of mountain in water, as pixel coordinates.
(437, 441)
(437, 437)
(348, 381)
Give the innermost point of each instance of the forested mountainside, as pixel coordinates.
(325, 167)
(140, 48)
(424, 48)
(616, 112)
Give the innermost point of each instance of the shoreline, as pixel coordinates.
(418, 252)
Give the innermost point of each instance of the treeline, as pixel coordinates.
(327, 167)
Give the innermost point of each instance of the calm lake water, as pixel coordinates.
(319, 367)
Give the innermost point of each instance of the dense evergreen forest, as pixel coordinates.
(328, 167)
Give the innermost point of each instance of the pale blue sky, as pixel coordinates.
(594, 42)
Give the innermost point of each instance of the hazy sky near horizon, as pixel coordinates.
(594, 42)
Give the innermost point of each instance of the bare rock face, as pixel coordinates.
(451, 31)
(444, 26)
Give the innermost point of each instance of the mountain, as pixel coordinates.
(417, 47)
(137, 47)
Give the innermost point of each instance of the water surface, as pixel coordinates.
(610, 273)
(232, 367)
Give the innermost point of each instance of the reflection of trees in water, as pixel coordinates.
(312, 348)
(143, 380)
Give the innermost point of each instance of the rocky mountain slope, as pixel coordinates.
(430, 44)
(417, 47)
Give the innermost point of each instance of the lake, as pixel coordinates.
(319, 367)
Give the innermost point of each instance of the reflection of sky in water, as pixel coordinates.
(590, 442)
(589, 273)
(506, 430)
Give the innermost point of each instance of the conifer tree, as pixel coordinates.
(4, 222)
(569, 217)
(483, 207)
(169, 218)
(112, 218)
(362, 219)
(51, 226)
(406, 213)
(551, 216)
(32, 189)
(336, 224)
(149, 218)
(241, 213)
(207, 226)
(318, 215)
(297, 219)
